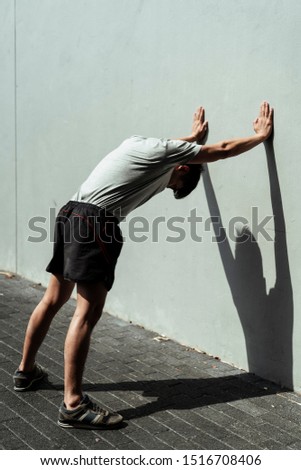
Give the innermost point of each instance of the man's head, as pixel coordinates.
(184, 179)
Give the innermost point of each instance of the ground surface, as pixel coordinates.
(171, 397)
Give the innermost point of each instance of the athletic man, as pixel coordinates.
(88, 242)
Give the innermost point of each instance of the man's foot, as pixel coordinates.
(25, 380)
(88, 415)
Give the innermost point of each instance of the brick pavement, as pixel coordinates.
(172, 397)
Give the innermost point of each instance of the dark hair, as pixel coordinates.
(190, 180)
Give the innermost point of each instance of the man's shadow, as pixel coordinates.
(266, 317)
(151, 396)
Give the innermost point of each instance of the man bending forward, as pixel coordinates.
(88, 242)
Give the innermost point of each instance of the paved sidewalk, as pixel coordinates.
(171, 397)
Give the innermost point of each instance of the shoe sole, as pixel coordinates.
(79, 425)
(33, 382)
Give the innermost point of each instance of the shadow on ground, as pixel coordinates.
(183, 393)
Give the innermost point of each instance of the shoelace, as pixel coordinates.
(97, 409)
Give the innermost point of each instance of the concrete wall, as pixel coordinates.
(81, 75)
(8, 174)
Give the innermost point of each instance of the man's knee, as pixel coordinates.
(91, 315)
(96, 314)
(90, 301)
(55, 300)
(57, 293)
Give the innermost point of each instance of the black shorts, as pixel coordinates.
(87, 243)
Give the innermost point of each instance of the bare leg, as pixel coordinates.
(90, 301)
(58, 292)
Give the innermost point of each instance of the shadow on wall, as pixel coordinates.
(266, 318)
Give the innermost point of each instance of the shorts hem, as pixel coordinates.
(108, 285)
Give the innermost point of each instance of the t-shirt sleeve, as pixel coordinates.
(179, 151)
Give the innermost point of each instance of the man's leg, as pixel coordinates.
(58, 292)
(77, 410)
(90, 301)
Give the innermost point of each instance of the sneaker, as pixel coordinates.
(25, 380)
(88, 415)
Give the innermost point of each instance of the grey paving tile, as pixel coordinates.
(10, 441)
(25, 432)
(174, 440)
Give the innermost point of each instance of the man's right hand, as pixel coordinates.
(199, 125)
(263, 124)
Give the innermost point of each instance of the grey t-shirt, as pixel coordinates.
(133, 173)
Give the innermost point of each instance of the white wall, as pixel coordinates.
(90, 73)
(7, 138)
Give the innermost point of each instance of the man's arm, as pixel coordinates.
(262, 125)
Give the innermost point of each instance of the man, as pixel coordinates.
(88, 242)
